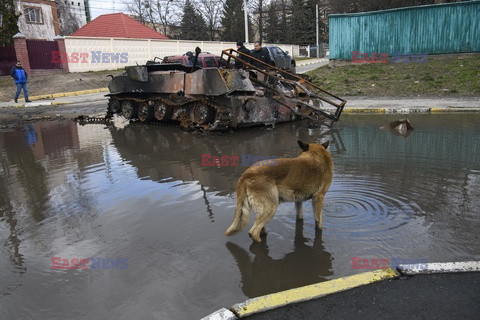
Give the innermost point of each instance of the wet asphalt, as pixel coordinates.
(436, 296)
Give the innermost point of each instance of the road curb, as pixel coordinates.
(314, 291)
(454, 109)
(364, 110)
(301, 64)
(66, 94)
(318, 290)
(222, 314)
(52, 103)
(49, 103)
(447, 267)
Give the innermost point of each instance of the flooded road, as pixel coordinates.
(138, 204)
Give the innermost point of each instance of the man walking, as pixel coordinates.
(242, 50)
(20, 76)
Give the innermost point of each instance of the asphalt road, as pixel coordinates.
(437, 296)
(309, 67)
(96, 106)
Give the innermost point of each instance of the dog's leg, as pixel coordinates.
(299, 210)
(262, 216)
(264, 203)
(317, 201)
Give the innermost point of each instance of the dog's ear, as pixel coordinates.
(325, 144)
(302, 145)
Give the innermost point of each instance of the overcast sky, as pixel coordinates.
(99, 7)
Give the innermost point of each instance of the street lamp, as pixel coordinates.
(246, 20)
(318, 36)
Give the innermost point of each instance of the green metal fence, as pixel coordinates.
(431, 29)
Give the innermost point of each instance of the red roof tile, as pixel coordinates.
(117, 25)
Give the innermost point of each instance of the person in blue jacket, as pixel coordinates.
(20, 76)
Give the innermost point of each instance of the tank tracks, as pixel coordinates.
(190, 114)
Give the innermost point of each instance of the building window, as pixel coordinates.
(79, 4)
(33, 15)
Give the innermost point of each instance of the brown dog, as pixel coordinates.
(263, 185)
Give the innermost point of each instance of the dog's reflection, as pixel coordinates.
(263, 275)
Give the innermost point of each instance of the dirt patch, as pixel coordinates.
(12, 117)
(57, 83)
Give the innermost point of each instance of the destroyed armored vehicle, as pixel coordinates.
(218, 98)
(204, 60)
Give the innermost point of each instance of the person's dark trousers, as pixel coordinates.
(21, 86)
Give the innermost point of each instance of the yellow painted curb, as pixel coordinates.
(454, 109)
(364, 110)
(66, 94)
(310, 292)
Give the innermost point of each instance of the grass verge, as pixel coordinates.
(451, 75)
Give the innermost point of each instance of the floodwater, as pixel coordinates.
(140, 197)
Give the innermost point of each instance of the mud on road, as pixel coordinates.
(11, 117)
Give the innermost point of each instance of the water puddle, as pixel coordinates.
(141, 206)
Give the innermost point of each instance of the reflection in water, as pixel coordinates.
(30, 134)
(306, 264)
(164, 154)
(23, 186)
(29, 158)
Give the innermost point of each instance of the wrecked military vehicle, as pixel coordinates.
(220, 97)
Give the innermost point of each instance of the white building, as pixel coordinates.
(72, 15)
(38, 19)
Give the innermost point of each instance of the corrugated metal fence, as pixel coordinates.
(431, 29)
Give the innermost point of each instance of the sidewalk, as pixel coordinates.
(433, 291)
(411, 104)
(39, 85)
(355, 104)
(73, 97)
(310, 61)
(439, 296)
(387, 105)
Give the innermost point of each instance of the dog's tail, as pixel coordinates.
(242, 211)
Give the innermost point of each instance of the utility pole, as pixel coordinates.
(318, 36)
(246, 20)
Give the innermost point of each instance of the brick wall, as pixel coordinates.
(20, 43)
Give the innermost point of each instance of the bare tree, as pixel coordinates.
(157, 14)
(163, 13)
(168, 15)
(257, 8)
(68, 21)
(137, 9)
(211, 11)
